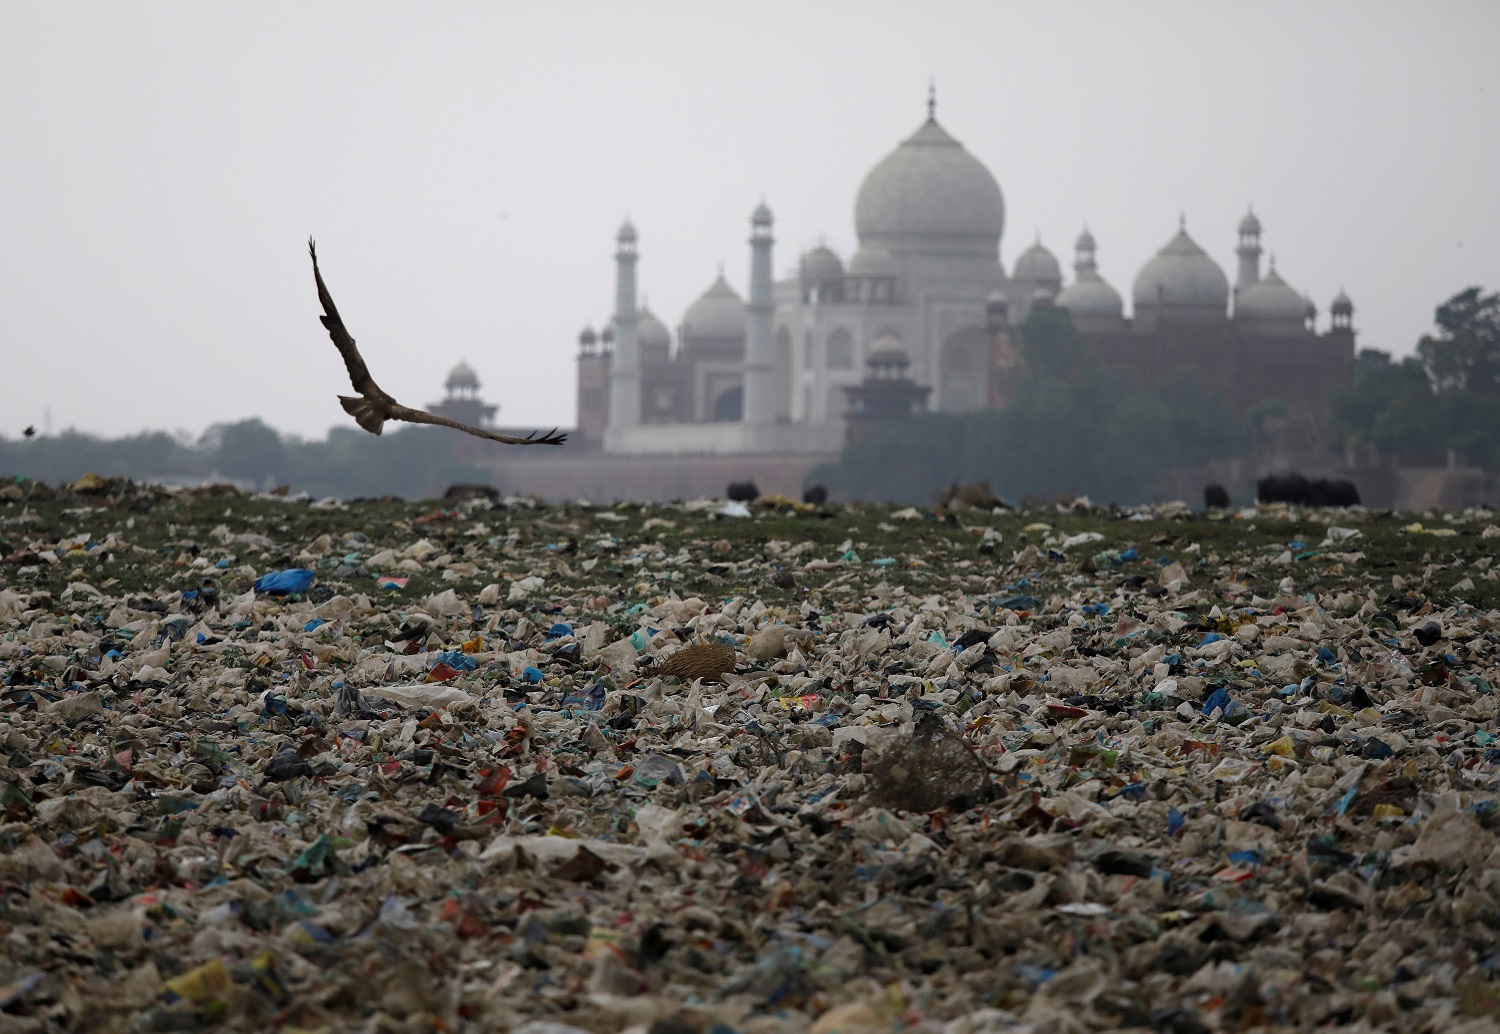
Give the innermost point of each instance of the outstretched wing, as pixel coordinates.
(359, 374)
(421, 416)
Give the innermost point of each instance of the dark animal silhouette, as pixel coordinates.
(742, 491)
(1297, 490)
(489, 492)
(30, 432)
(1333, 493)
(1215, 497)
(817, 495)
(1289, 488)
(373, 407)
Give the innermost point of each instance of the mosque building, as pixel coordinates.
(926, 289)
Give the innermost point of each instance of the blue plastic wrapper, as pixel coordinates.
(1220, 700)
(314, 625)
(559, 630)
(590, 699)
(532, 675)
(281, 583)
(457, 660)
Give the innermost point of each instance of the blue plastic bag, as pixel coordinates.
(1220, 700)
(280, 583)
(457, 660)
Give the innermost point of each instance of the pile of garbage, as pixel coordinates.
(269, 763)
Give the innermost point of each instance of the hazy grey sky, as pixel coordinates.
(465, 166)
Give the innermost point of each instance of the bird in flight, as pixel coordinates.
(30, 431)
(373, 407)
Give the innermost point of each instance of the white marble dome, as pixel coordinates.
(930, 194)
(719, 312)
(821, 265)
(651, 332)
(1181, 274)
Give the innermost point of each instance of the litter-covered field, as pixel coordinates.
(723, 768)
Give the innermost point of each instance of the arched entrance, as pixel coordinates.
(729, 407)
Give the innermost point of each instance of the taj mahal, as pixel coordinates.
(772, 374)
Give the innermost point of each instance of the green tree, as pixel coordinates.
(1464, 354)
(1442, 398)
(1073, 427)
(250, 450)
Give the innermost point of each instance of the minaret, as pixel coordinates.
(1342, 311)
(1083, 254)
(1249, 252)
(760, 401)
(625, 366)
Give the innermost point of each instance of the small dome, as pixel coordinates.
(930, 193)
(652, 332)
(887, 351)
(1085, 241)
(1181, 274)
(1038, 265)
(626, 234)
(1270, 298)
(821, 266)
(872, 262)
(462, 376)
(1090, 295)
(607, 335)
(761, 216)
(1341, 306)
(1250, 224)
(718, 313)
(587, 336)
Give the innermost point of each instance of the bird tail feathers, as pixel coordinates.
(364, 413)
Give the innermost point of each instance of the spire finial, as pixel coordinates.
(721, 269)
(1182, 221)
(931, 99)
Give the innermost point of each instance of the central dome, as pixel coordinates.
(930, 194)
(720, 312)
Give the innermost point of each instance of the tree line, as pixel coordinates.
(411, 462)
